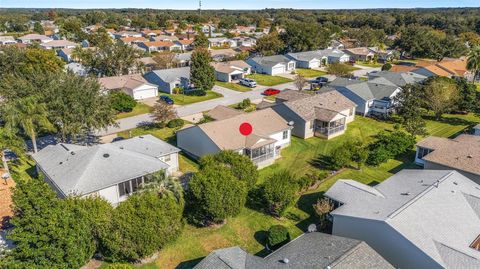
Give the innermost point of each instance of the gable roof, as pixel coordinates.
(359, 51)
(289, 94)
(225, 133)
(128, 82)
(230, 66)
(271, 60)
(230, 258)
(305, 56)
(399, 79)
(34, 37)
(172, 74)
(158, 43)
(427, 207)
(85, 169)
(462, 152)
(59, 43)
(323, 106)
(365, 89)
(223, 112)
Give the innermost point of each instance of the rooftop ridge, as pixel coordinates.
(348, 182)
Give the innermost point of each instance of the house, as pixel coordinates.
(183, 59)
(134, 85)
(223, 112)
(169, 79)
(414, 219)
(129, 40)
(371, 98)
(360, 54)
(65, 54)
(28, 39)
(309, 250)
(185, 44)
(325, 115)
(383, 54)
(208, 28)
(164, 38)
(461, 153)
(307, 59)
(151, 33)
(335, 44)
(231, 71)
(270, 134)
(122, 34)
(7, 40)
(113, 171)
(148, 63)
(221, 42)
(333, 56)
(399, 79)
(272, 65)
(77, 68)
(448, 67)
(220, 55)
(242, 41)
(59, 44)
(152, 46)
(476, 129)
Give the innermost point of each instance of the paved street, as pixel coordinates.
(230, 97)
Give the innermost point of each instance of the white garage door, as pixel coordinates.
(278, 70)
(144, 93)
(315, 64)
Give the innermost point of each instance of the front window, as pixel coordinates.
(128, 187)
(167, 158)
(422, 152)
(285, 135)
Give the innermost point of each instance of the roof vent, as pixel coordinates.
(312, 228)
(290, 123)
(285, 260)
(405, 193)
(72, 152)
(140, 137)
(121, 147)
(469, 156)
(60, 163)
(106, 155)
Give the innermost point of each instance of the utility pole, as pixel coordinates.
(200, 6)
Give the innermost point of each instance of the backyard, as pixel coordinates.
(233, 86)
(267, 80)
(182, 99)
(310, 73)
(139, 109)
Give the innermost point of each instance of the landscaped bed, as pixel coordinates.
(182, 99)
(139, 109)
(267, 80)
(233, 86)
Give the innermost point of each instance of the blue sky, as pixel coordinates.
(242, 4)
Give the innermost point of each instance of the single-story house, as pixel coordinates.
(151, 33)
(220, 55)
(27, 39)
(77, 68)
(129, 40)
(307, 59)
(270, 134)
(383, 55)
(231, 71)
(113, 171)
(360, 54)
(59, 44)
(164, 38)
(448, 67)
(242, 41)
(333, 56)
(371, 98)
(399, 79)
(324, 114)
(221, 42)
(121, 34)
(65, 54)
(183, 59)
(461, 153)
(148, 63)
(169, 79)
(223, 112)
(152, 46)
(185, 44)
(134, 85)
(272, 65)
(309, 250)
(7, 40)
(414, 219)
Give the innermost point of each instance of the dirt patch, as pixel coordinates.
(6, 191)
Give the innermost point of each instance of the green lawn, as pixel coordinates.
(478, 86)
(310, 73)
(139, 109)
(369, 64)
(181, 99)
(267, 80)
(142, 266)
(233, 86)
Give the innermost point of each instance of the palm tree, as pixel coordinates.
(29, 115)
(473, 62)
(8, 141)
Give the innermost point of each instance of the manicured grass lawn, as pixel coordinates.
(267, 80)
(478, 86)
(139, 109)
(233, 86)
(310, 73)
(369, 64)
(181, 99)
(143, 266)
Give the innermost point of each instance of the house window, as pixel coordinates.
(285, 135)
(166, 158)
(422, 152)
(128, 187)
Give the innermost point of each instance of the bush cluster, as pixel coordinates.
(122, 102)
(176, 123)
(278, 235)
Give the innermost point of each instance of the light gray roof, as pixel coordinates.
(319, 250)
(305, 56)
(436, 210)
(365, 89)
(171, 75)
(187, 56)
(84, 169)
(331, 53)
(399, 79)
(311, 250)
(271, 60)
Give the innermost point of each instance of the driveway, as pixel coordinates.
(364, 70)
(230, 97)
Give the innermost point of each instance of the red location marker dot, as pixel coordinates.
(246, 128)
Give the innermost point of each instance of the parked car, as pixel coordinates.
(270, 91)
(248, 82)
(321, 80)
(167, 99)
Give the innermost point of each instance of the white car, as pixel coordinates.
(248, 82)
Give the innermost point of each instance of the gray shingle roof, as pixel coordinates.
(436, 210)
(365, 89)
(399, 79)
(171, 75)
(84, 169)
(230, 258)
(271, 60)
(305, 56)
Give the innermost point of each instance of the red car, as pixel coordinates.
(271, 91)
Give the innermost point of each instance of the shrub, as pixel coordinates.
(244, 104)
(277, 236)
(214, 194)
(310, 179)
(279, 192)
(389, 145)
(122, 102)
(240, 165)
(119, 266)
(338, 69)
(142, 225)
(197, 92)
(386, 67)
(176, 123)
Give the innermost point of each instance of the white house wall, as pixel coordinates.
(280, 141)
(173, 165)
